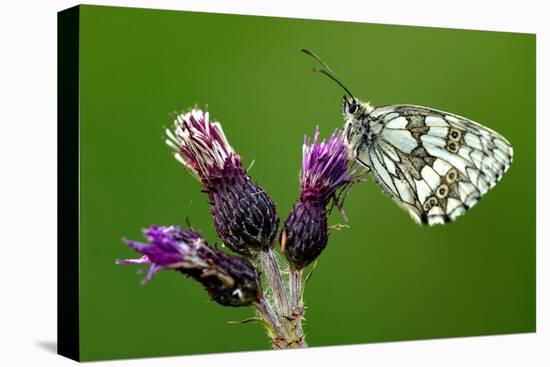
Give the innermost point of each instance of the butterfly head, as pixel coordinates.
(352, 108)
(355, 114)
(349, 106)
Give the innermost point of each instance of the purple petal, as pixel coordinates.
(168, 247)
(326, 167)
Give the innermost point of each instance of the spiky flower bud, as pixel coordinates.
(326, 173)
(244, 215)
(229, 280)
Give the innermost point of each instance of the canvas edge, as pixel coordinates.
(68, 96)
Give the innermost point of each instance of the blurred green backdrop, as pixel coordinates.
(383, 279)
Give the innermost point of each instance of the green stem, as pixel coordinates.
(295, 287)
(290, 333)
(275, 281)
(273, 326)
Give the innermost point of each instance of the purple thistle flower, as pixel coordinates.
(326, 174)
(229, 280)
(244, 215)
(326, 168)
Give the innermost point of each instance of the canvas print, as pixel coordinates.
(236, 183)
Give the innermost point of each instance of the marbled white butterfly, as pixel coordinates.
(434, 164)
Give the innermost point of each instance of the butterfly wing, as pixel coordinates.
(434, 164)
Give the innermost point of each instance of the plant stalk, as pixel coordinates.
(295, 287)
(289, 333)
(273, 326)
(275, 281)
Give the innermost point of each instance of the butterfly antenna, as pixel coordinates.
(327, 71)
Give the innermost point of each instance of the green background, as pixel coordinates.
(383, 279)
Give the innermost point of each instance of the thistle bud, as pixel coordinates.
(244, 215)
(229, 280)
(326, 173)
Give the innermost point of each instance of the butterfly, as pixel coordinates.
(434, 164)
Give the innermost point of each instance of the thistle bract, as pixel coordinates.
(244, 215)
(229, 280)
(326, 173)
(305, 233)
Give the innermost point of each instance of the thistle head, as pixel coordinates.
(244, 215)
(327, 172)
(229, 280)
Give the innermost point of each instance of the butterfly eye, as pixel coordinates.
(352, 107)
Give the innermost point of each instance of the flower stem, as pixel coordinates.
(275, 281)
(273, 326)
(289, 332)
(296, 299)
(295, 287)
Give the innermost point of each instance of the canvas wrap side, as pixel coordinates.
(68, 183)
